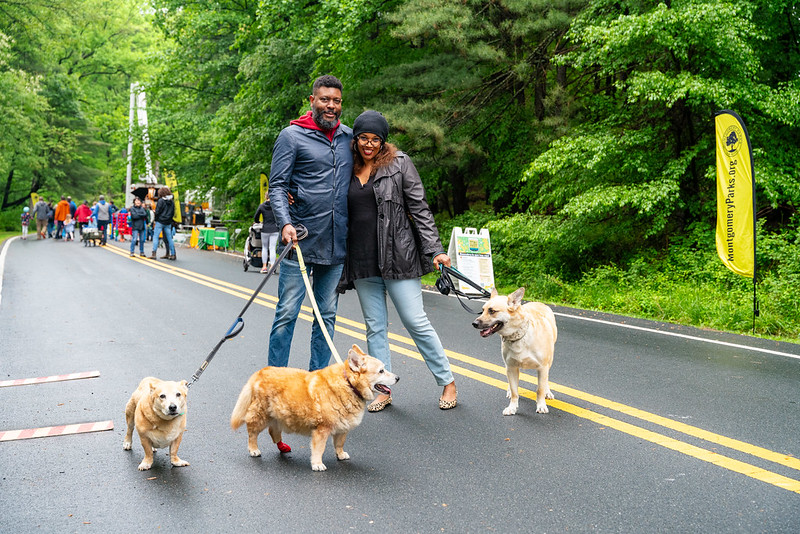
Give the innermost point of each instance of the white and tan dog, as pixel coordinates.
(158, 411)
(529, 336)
(321, 403)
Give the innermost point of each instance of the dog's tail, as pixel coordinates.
(240, 410)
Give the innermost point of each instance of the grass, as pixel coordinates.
(687, 302)
(5, 235)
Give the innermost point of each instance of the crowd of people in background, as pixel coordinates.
(60, 219)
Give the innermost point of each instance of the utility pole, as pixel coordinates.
(138, 109)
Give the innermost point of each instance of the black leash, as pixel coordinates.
(445, 286)
(238, 323)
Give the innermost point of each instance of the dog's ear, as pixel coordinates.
(515, 298)
(494, 293)
(358, 350)
(355, 357)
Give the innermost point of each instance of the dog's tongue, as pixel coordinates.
(383, 389)
(486, 333)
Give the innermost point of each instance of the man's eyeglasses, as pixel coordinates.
(374, 141)
(326, 99)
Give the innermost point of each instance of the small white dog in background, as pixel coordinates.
(528, 332)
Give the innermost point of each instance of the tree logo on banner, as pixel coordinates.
(733, 139)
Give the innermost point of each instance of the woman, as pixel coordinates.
(165, 210)
(138, 216)
(392, 234)
(269, 233)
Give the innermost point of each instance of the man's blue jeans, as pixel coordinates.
(167, 231)
(291, 292)
(406, 296)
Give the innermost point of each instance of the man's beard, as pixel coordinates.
(317, 115)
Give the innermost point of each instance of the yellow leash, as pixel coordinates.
(314, 303)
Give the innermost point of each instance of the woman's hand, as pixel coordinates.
(443, 259)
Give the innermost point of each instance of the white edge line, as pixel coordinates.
(674, 334)
(3, 264)
(684, 336)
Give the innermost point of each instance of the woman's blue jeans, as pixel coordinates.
(406, 296)
(167, 231)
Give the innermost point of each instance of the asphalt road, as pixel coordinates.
(655, 428)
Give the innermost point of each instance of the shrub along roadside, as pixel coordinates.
(684, 283)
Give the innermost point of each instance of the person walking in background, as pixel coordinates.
(72, 207)
(62, 210)
(138, 218)
(391, 243)
(311, 161)
(69, 228)
(25, 219)
(165, 210)
(102, 214)
(269, 233)
(148, 206)
(82, 215)
(40, 214)
(51, 220)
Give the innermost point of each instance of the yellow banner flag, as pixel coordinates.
(264, 181)
(172, 183)
(736, 237)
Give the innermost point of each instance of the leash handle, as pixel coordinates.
(445, 275)
(232, 331)
(455, 272)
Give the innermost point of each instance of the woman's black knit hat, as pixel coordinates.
(371, 122)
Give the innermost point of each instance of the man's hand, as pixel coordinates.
(289, 234)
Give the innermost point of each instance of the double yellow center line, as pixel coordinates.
(357, 330)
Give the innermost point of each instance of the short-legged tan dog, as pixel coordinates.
(529, 336)
(322, 403)
(158, 411)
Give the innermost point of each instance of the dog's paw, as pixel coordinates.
(511, 409)
(542, 408)
(145, 465)
(126, 445)
(180, 463)
(318, 467)
(255, 453)
(343, 456)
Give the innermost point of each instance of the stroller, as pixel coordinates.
(90, 234)
(253, 248)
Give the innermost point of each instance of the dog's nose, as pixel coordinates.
(173, 408)
(475, 324)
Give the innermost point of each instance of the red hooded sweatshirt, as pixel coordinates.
(307, 121)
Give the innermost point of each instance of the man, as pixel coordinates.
(40, 213)
(82, 216)
(312, 162)
(62, 210)
(72, 207)
(102, 214)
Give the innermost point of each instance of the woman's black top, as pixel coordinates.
(362, 234)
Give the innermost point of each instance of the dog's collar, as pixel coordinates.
(517, 337)
(358, 393)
